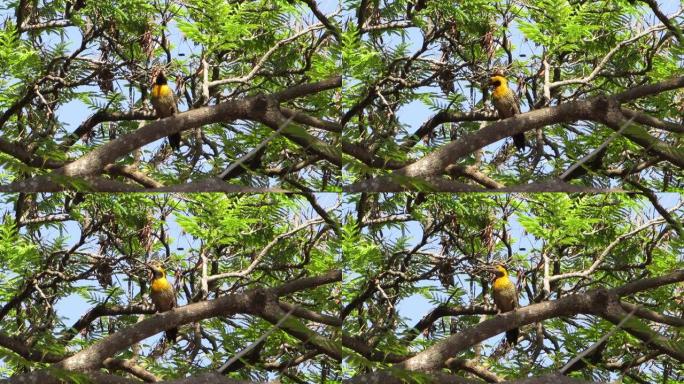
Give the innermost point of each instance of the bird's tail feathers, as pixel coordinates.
(175, 141)
(171, 335)
(512, 336)
(519, 141)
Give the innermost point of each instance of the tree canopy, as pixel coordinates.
(344, 191)
(417, 294)
(327, 288)
(74, 285)
(256, 84)
(599, 84)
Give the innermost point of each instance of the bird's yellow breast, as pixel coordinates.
(160, 285)
(502, 283)
(501, 91)
(160, 90)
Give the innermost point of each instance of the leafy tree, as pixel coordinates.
(417, 294)
(387, 283)
(601, 81)
(257, 280)
(256, 82)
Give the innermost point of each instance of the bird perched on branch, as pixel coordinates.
(163, 295)
(164, 104)
(507, 105)
(505, 297)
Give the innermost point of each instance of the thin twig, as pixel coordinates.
(256, 149)
(593, 153)
(267, 55)
(263, 252)
(599, 342)
(604, 61)
(261, 338)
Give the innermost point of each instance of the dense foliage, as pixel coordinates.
(74, 273)
(349, 117)
(75, 75)
(416, 277)
(417, 81)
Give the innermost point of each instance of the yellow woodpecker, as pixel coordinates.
(163, 295)
(506, 104)
(505, 297)
(164, 104)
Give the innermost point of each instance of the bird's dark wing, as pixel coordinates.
(516, 104)
(174, 301)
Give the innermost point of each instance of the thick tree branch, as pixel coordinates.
(437, 161)
(260, 108)
(94, 377)
(434, 357)
(599, 109)
(308, 89)
(309, 282)
(57, 183)
(445, 117)
(395, 183)
(104, 310)
(26, 352)
(600, 302)
(93, 356)
(259, 302)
